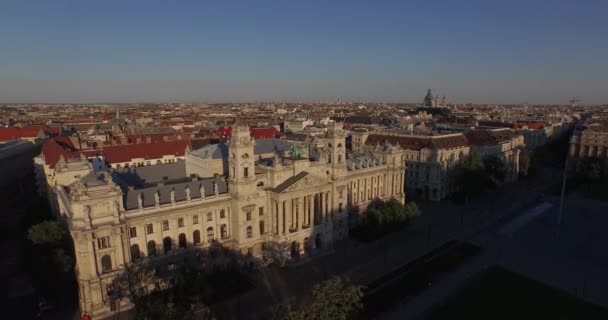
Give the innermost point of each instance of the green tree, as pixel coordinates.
(47, 233)
(495, 169)
(471, 176)
(590, 170)
(333, 299)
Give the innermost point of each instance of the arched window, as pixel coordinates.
(151, 248)
(210, 235)
(261, 227)
(196, 237)
(249, 232)
(224, 231)
(135, 254)
(339, 158)
(167, 244)
(339, 145)
(182, 240)
(222, 214)
(106, 263)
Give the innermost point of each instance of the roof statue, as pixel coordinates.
(296, 152)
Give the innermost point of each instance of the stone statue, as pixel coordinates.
(216, 190)
(202, 190)
(140, 201)
(187, 190)
(157, 198)
(296, 152)
(173, 195)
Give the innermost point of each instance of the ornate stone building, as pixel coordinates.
(591, 142)
(431, 159)
(125, 216)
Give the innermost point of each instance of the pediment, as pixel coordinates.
(303, 180)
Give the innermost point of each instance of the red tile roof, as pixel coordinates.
(54, 148)
(25, 132)
(124, 153)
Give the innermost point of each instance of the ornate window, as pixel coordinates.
(106, 263)
(209, 216)
(249, 232)
(195, 219)
(261, 211)
(132, 232)
(167, 244)
(210, 235)
(103, 242)
(135, 254)
(224, 231)
(151, 248)
(222, 214)
(149, 228)
(248, 214)
(261, 227)
(196, 237)
(182, 240)
(165, 225)
(180, 222)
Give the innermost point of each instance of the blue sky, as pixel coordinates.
(472, 51)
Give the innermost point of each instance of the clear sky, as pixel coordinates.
(486, 51)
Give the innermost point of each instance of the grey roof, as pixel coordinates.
(359, 160)
(271, 145)
(93, 179)
(212, 151)
(139, 177)
(290, 181)
(131, 196)
(220, 150)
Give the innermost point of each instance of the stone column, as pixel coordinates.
(301, 212)
(311, 210)
(274, 217)
(282, 216)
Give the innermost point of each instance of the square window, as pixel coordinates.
(103, 242)
(132, 232)
(194, 219)
(149, 228)
(165, 225)
(209, 216)
(180, 222)
(261, 210)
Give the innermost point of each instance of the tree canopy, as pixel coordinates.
(46, 233)
(333, 299)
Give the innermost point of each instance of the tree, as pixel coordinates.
(470, 175)
(333, 299)
(47, 233)
(496, 170)
(591, 171)
(276, 253)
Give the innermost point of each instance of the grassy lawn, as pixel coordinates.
(501, 294)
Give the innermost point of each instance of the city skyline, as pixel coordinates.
(537, 52)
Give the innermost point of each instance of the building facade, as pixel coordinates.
(126, 216)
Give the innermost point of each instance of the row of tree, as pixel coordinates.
(382, 217)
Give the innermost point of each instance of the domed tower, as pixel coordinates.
(241, 159)
(428, 99)
(246, 199)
